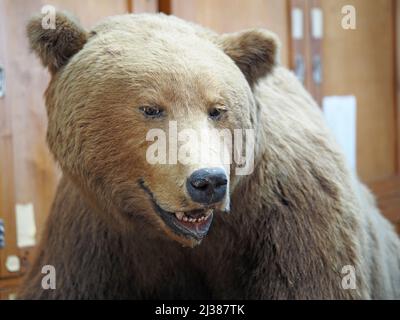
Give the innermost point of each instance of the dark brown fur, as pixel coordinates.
(56, 46)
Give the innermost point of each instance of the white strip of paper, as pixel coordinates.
(26, 227)
(316, 23)
(297, 23)
(341, 116)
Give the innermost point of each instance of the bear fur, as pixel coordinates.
(288, 230)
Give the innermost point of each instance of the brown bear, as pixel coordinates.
(299, 225)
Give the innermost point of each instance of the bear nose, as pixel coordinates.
(207, 185)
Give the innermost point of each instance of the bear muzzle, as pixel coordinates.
(196, 223)
(207, 186)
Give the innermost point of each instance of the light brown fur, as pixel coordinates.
(294, 222)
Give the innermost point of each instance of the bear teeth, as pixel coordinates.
(181, 216)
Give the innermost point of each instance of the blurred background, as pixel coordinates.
(346, 53)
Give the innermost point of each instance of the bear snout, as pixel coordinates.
(207, 185)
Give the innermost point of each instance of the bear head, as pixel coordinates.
(136, 108)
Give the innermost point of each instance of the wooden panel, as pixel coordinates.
(361, 62)
(234, 15)
(140, 6)
(397, 47)
(387, 193)
(164, 6)
(89, 11)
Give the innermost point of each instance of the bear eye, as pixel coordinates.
(216, 113)
(152, 111)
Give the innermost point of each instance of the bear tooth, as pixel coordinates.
(179, 215)
(185, 219)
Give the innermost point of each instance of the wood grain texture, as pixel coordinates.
(140, 6)
(387, 193)
(90, 12)
(361, 62)
(234, 15)
(397, 79)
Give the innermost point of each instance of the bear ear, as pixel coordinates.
(254, 51)
(55, 46)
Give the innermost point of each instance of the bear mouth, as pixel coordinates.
(191, 224)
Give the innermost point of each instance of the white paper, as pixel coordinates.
(297, 24)
(341, 116)
(316, 23)
(26, 227)
(13, 264)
